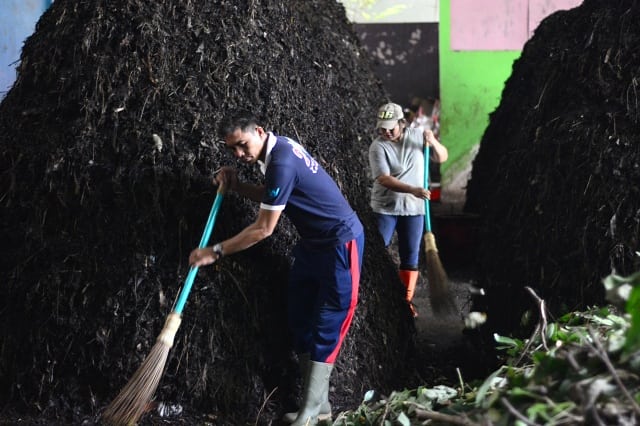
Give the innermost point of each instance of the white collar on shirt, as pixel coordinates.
(271, 142)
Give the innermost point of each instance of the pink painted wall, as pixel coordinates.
(540, 9)
(499, 24)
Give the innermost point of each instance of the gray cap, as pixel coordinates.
(388, 116)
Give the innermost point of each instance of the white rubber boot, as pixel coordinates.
(315, 394)
(325, 409)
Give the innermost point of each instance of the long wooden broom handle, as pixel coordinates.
(427, 213)
(188, 283)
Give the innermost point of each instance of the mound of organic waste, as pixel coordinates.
(556, 177)
(108, 146)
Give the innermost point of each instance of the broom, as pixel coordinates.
(442, 300)
(134, 398)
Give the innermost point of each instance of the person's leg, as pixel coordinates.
(323, 292)
(302, 296)
(302, 301)
(338, 272)
(386, 227)
(409, 230)
(325, 407)
(338, 297)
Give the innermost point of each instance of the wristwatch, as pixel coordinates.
(217, 249)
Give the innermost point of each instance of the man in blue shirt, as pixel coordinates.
(324, 279)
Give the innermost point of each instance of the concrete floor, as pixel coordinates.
(455, 240)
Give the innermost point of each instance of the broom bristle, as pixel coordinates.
(442, 299)
(133, 399)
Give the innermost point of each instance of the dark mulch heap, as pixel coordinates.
(556, 178)
(98, 215)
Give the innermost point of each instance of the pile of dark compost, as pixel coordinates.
(108, 145)
(555, 181)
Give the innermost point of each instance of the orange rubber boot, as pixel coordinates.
(409, 278)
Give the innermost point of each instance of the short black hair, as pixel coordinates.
(241, 120)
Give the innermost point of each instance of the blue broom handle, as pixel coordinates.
(188, 283)
(427, 213)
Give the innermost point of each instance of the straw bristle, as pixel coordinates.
(133, 399)
(442, 300)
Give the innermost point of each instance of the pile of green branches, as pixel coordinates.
(581, 368)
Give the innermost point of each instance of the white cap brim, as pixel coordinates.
(386, 124)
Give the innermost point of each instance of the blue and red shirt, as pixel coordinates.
(297, 184)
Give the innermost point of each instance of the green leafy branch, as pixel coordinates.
(583, 368)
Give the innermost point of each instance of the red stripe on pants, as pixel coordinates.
(352, 248)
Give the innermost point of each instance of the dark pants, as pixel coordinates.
(323, 293)
(409, 229)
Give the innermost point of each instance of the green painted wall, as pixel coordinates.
(471, 84)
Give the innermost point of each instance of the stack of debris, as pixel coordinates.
(556, 177)
(108, 147)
